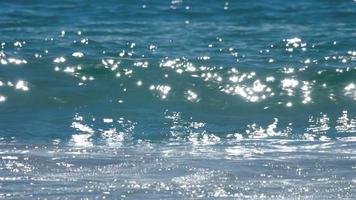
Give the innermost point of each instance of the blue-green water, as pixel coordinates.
(178, 99)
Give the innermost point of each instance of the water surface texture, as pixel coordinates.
(178, 99)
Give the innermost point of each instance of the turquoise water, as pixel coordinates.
(177, 99)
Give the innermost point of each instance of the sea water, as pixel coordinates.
(177, 99)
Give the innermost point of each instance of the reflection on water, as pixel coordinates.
(185, 99)
(251, 169)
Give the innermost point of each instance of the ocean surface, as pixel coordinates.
(177, 99)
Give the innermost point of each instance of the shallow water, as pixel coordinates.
(177, 99)
(248, 169)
